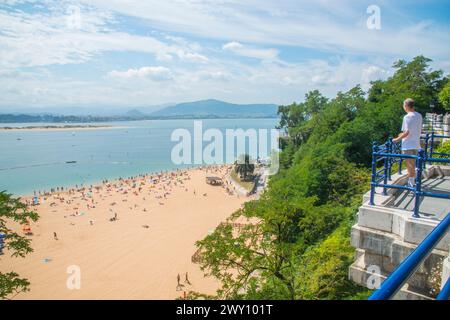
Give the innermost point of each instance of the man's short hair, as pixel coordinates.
(409, 103)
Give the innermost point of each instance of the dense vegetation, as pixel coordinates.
(444, 96)
(301, 247)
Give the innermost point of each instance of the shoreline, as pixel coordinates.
(100, 181)
(59, 128)
(131, 237)
(147, 175)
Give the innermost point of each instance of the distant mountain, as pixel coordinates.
(136, 114)
(206, 109)
(217, 109)
(98, 111)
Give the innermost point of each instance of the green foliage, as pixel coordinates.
(10, 283)
(444, 148)
(415, 80)
(295, 118)
(13, 210)
(444, 96)
(300, 249)
(321, 268)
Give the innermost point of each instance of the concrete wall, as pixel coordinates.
(385, 236)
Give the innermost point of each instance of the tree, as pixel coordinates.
(244, 167)
(13, 210)
(314, 103)
(444, 96)
(260, 259)
(415, 80)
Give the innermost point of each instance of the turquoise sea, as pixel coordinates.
(37, 160)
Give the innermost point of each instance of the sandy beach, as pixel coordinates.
(58, 128)
(130, 237)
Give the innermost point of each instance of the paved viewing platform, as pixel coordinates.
(433, 208)
(386, 233)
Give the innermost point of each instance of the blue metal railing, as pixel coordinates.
(390, 153)
(445, 292)
(404, 271)
(429, 144)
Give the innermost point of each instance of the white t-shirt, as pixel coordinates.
(413, 123)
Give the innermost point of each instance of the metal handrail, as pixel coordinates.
(404, 271)
(391, 154)
(445, 291)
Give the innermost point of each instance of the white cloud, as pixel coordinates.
(192, 56)
(40, 39)
(337, 27)
(157, 73)
(199, 45)
(162, 56)
(247, 51)
(234, 45)
(204, 76)
(236, 82)
(372, 73)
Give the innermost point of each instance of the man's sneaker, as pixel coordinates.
(411, 184)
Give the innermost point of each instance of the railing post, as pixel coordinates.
(431, 144)
(427, 137)
(374, 173)
(401, 160)
(418, 190)
(386, 169)
(390, 160)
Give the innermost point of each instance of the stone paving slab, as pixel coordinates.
(433, 208)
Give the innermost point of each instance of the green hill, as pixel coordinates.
(217, 109)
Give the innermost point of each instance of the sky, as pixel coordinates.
(144, 52)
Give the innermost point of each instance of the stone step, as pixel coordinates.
(400, 223)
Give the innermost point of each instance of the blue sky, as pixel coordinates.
(141, 53)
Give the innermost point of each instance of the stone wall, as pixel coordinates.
(384, 236)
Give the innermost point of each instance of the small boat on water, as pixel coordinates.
(71, 162)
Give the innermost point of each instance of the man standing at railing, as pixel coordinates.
(410, 137)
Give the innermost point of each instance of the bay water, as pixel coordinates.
(33, 160)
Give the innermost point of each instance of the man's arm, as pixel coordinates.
(405, 131)
(401, 136)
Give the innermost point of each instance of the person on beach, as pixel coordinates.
(178, 283)
(410, 137)
(186, 279)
